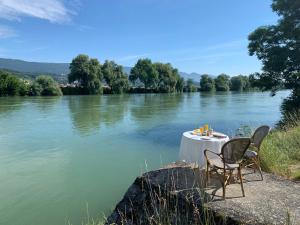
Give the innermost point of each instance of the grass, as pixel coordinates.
(280, 152)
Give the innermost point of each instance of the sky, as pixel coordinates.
(203, 36)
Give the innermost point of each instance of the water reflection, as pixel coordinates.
(44, 104)
(10, 104)
(149, 106)
(114, 108)
(85, 112)
(88, 113)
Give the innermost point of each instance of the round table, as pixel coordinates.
(192, 147)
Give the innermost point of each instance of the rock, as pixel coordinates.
(177, 194)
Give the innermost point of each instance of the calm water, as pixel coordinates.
(60, 156)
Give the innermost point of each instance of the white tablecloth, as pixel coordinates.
(192, 147)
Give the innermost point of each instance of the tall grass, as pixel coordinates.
(280, 152)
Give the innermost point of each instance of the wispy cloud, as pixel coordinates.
(132, 57)
(7, 32)
(84, 28)
(55, 11)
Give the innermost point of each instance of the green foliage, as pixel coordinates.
(180, 84)
(207, 83)
(167, 77)
(87, 72)
(24, 88)
(115, 77)
(45, 86)
(280, 152)
(159, 77)
(239, 83)
(290, 110)
(10, 85)
(190, 86)
(222, 82)
(145, 72)
(278, 47)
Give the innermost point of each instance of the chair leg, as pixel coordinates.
(241, 180)
(224, 184)
(257, 162)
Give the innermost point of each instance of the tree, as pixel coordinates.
(45, 86)
(222, 82)
(167, 77)
(10, 85)
(87, 72)
(278, 47)
(180, 84)
(145, 72)
(190, 87)
(207, 83)
(24, 88)
(115, 77)
(239, 83)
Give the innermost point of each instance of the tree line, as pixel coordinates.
(224, 82)
(89, 75)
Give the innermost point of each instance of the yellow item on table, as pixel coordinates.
(206, 127)
(201, 129)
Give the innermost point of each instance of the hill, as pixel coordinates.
(34, 67)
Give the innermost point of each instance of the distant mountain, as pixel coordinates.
(34, 67)
(58, 70)
(194, 76)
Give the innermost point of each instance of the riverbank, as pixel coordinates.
(178, 194)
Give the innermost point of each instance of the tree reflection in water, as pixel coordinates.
(88, 113)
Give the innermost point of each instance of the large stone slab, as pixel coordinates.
(274, 200)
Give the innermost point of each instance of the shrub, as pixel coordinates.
(280, 152)
(45, 86)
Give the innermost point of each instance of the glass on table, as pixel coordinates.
(201, 130)
(206, 127)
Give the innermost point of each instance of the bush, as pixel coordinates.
(280, 152)
(10, 85)
(45, 86)
(290, 110)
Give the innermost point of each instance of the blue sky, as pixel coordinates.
(203, 36)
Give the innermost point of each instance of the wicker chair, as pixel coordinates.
(252, 156)
(227, 161)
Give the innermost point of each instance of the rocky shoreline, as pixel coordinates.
(177, 194)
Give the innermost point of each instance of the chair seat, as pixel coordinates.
(217, 162)
(250, 154)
